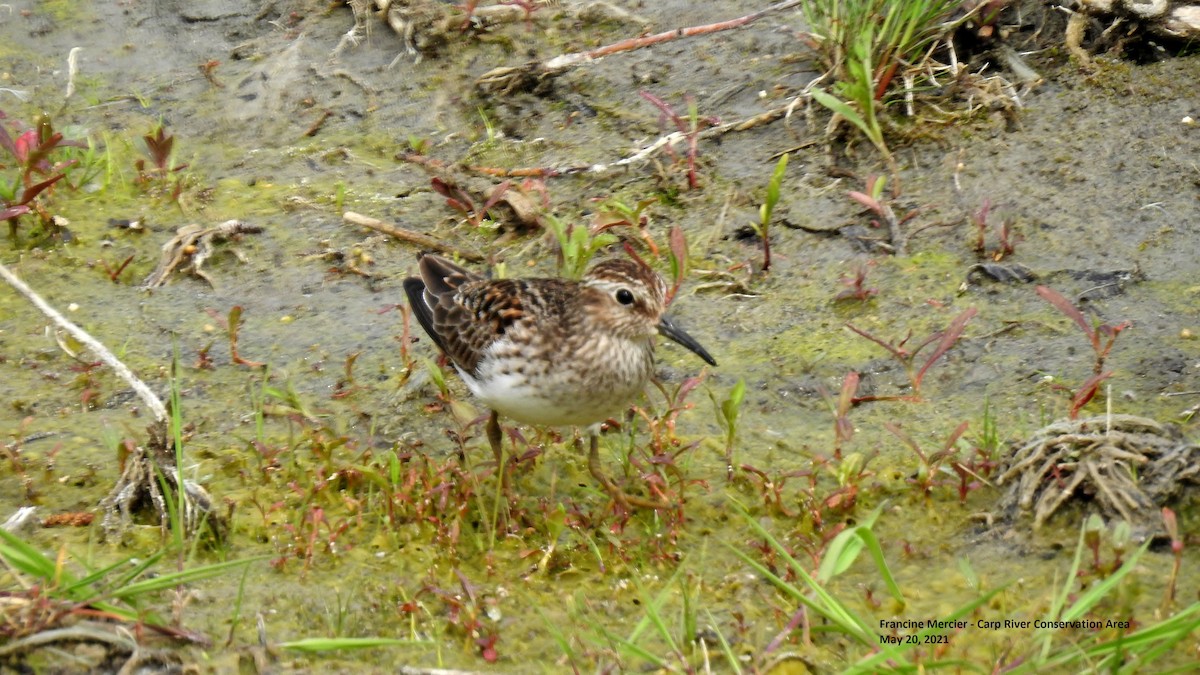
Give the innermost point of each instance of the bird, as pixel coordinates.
(550, 351)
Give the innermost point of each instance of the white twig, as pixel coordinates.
(72, 69)
(141, 388)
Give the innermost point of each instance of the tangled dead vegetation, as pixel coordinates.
(1119, 21)
(191, 247)
(426, 26)
(1126, 465)
(1177, 19)
(148, 480)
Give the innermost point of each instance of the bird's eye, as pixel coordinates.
(625, 296)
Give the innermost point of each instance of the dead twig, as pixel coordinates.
(670, 140)
(143, 391)
(422, 240)
(505, 80)
(139, 481)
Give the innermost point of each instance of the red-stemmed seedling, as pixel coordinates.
(160, 148)
(856, 288)
(459, 200)
(932, 464)
(678, 260)
(613, 212)
(234, 325)
(875, 202)
(945, 339)
(689, 126)
(843, 428)
(30, 155)
(1100, 335)
(1006, 241)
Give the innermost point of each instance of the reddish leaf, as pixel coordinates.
(38, 153)
(13, 212)
(866, 200)
(34, 190)
(497, 195)
(846, 398)
(953, 438)
(949, 337)
(6, 142)
(25, 143)
(663, 107)
(1086, 391)
(679, 247)
(1064, 305)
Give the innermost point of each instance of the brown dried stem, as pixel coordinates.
(422, 240)
(139, 479)
(507, 79)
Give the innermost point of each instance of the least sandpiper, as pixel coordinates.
(549, 352)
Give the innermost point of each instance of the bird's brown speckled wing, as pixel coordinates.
(461, 311)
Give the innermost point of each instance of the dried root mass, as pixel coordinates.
(1128, 466)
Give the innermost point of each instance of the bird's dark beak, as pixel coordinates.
(668, 328)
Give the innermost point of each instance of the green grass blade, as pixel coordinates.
(840, 107)
(25, 558)
(730, 657)
(314, 645)
(1096, 592)
(876, 551)
(173, 579)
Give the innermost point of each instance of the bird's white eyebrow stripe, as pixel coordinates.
(607, 285)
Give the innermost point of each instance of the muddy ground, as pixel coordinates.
(285, 126)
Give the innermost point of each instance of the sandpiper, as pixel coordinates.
(549, 352)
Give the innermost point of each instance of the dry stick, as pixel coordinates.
(422, 240)
(551, 172)
(194, 495)
(555, 66)
(147, 395)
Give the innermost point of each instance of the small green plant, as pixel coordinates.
(864, 44)
(837, 615)
(576, 246)
(1149, 641)
(762, 228)
(614, 212)
(857, 87)
(418, 145)
(728, 411)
